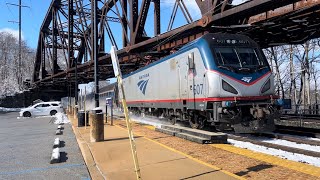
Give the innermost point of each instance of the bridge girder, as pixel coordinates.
(269, 22)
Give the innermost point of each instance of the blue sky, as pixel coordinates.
(32, 17)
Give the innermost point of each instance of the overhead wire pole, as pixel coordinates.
(94, 39)
(70, 48)
(20, 76)
(20, 39)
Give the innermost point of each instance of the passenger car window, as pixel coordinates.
(40, 105)
(54, 104)
(46, 105)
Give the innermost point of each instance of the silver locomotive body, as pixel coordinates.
(221, 80)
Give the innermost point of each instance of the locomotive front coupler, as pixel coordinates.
(258, 112)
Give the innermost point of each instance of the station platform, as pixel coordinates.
(112, 158)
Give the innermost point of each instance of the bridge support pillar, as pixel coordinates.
(96, 125)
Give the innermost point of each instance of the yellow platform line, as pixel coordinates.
(304, 168)
(188, 156)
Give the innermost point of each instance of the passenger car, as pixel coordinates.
(42, 109)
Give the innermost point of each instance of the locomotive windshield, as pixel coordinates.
(238, 57)
(241, 58)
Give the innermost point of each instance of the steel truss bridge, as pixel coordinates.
(68, 33)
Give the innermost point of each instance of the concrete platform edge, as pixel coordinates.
(86, 154)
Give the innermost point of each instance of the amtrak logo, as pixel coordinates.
(143, 86)
(246, 79)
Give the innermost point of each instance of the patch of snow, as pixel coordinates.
(313, 139)
(19, 117)
(276, 152)
(141, 119)
(2, 109)
(146, 120)
(149, 120)
(301, 137)
(37, 117)
(61, 118)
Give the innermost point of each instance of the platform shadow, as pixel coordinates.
(61, 133)
(161, 137)
(198, 175)
(123, 138)
(63, 157)
(257, 168)
(62, 144)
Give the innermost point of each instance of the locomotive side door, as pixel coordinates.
(191, 80)
(183, 79)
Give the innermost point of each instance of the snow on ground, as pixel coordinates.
(61, 118)
(148, 120)
(153, 121)
(301, 137)
(36, 117)
(313, 139)
(2, 109)
(276, 152)
(290, 144)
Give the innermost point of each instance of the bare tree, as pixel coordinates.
(11, 72)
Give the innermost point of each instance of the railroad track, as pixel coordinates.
(304, 117)
(299, 131)
(293, 139)
(281, 147)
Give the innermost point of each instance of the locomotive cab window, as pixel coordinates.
(243, 57)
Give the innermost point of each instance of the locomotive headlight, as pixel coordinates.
(266, 86)
(228, 87)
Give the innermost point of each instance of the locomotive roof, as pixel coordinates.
(224, 39)
(219, 39)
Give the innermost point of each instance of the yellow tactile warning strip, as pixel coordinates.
(301, 167)
(150, 127)
(188, 156)
(304, 168)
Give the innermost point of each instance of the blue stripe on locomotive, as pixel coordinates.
(208, 60)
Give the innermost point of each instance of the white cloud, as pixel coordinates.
(237, 2)
(14, 32)
(192, 6)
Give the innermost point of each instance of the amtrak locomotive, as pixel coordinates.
(222, 80)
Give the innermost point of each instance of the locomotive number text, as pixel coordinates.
(197, 88)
